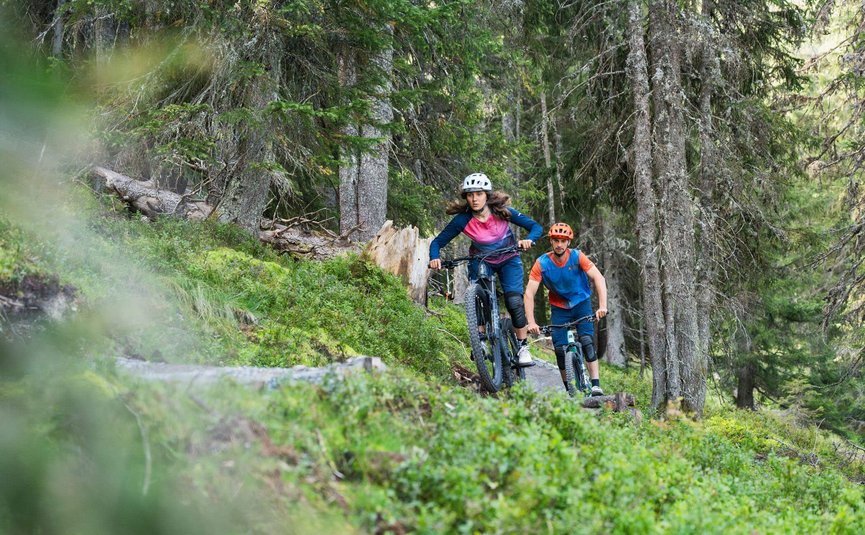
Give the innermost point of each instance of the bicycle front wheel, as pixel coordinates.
(486, 351)
(576, 374)
(571, 367)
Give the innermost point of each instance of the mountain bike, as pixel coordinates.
(576, 374)
(494, 343)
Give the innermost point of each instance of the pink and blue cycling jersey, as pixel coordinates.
(494, 233)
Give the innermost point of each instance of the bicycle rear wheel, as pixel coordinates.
(511, 371)
(486, 350)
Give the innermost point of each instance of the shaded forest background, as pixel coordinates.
(709, 153)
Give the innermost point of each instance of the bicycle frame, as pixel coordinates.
(483, 286)
(574, 351)
(488, 281)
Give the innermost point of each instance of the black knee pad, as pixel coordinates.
(588, 348)
(560, 356)
(514, 304)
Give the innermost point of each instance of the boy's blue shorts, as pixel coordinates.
(564, 315)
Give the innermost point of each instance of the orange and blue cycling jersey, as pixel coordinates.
(566, 281)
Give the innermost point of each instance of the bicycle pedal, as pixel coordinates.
(529, 365)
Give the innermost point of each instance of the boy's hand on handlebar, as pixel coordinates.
(435, 264)
(533, 328)
(525, 244)
(600, 313)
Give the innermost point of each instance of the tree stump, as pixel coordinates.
(405, 254)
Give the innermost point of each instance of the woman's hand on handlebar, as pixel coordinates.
(525, 244)
(435, 264)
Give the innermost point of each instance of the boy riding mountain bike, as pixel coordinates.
(485, 217)
(565, 272)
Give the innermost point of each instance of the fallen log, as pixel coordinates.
(617, 402)
(289, 239)
(197, 375)
(152, 201)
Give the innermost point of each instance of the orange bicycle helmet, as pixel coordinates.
(561, 231)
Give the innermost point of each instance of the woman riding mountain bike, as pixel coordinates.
(485, 217)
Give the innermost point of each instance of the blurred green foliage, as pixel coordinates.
(84, 450)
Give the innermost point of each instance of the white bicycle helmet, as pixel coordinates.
(477, 182)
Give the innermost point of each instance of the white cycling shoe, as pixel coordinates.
(524, 357)
(597, 391)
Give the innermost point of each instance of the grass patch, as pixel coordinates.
(215, 294)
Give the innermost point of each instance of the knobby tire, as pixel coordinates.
(478, 307)
(511, 373)
(576, 374)
(570, 372)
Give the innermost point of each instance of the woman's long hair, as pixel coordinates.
(498, 202)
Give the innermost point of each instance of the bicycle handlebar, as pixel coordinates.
(547, 329)
(454, 262)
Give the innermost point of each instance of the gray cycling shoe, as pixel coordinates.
(597, 391)
(524, 357)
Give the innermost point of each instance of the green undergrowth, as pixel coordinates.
(14, 264)
(219, 296)
(393, 454)
(83, 450)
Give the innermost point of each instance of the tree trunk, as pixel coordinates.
(103, 33)
(57, 42)
(545, 141)
(745, 388)
(246, 182)
(149, 199)
(709, 172)
(647, 229)
(559, 164)
(686, 366)
(615, 353)
(363, 178)
(510, 124)
(241, 189)
(746, 373)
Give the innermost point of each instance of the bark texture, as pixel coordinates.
(149, 200)
(647, 228)
(461, 283)
(746, 373)
(364, 176)
(405, 254)
(57, 42)
(615, 348)
(710, 172)
(244, 185)
(686, 367)
(545, 142)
